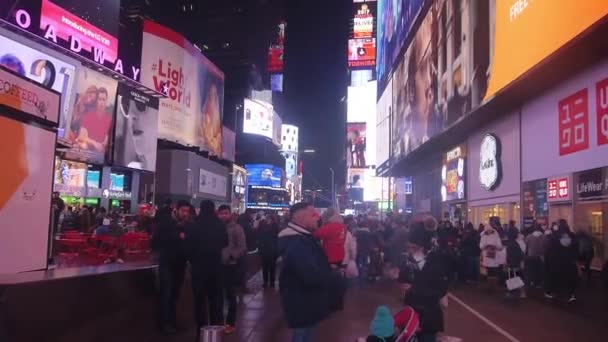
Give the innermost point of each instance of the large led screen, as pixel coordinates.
(191, 114)
(258, 118)
(384, 112)
(25, 195)
(361, 52)
(41, 68)
(395, 19)
(361, 102)
(364, 19)
(90, 127)
(437, 79)
(356, 145)
(229, 144)
(264, 175)
(136, 129)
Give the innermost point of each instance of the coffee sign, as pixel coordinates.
(490, 168)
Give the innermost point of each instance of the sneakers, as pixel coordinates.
(229, 329)
(572, 299)
(548, 295)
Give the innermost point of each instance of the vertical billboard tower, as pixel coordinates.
(276, 63)
(361, 104)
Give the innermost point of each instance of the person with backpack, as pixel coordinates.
(585, 253)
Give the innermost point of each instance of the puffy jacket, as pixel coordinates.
(306, 279)
(333, 238)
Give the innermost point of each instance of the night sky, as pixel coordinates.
(316, 79)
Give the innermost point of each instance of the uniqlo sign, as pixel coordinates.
(558, 189)
(601, 98)
(574, 123)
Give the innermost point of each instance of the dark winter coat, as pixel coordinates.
(429, 285)
(166, 241)
(560, 256)
(306, 280)
(205, 240)
(269, 239)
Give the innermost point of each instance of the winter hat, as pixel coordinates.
(383, 324)
(430, 223)
(421, 237)
(106, 222)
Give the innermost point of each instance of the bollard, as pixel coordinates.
(211, 333)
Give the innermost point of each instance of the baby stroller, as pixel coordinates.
(407, 323)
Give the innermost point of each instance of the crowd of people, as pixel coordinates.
(317, 257)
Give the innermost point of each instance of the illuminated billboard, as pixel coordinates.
(277, 125)
(436, 80)
(258, 118)
(364, 19)
(356, 145)
(192, 113)
(395, 20)
(276, 52)
(87, 28)
(42, 68)
(361, 102)
(290, 138)
(264, 175)
(453, 176)
(361, 52)
(384, 112)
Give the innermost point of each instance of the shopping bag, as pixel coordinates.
(514, 282)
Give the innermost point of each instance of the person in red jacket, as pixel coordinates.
(332, 235)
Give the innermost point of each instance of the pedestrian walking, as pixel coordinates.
(561, 260)
(492, 252)
(205, 241)
(586, 253)
(231, 254)
(515, 257)
(168, 245)
(469, 248)
(306, 278)
(535, 252)
(268, 242)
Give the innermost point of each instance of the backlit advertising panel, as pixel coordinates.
(453, 175)
(361, 52)
(264, 175)
(90, 131)
(384, 111)
(25, 195)
(86, 28)
(136, 129)
(355, 184)
(229, 144)
(361, 102)
(192, 112)
(258, 118)
(276, 52)
(277, 124)
(395, 20)
(356, 145)
(364, 19)
(37, 66)
(26, 96)
(436, 80)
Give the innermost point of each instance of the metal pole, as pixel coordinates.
(333, 188)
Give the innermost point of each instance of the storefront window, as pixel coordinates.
(506, 212)
(593, 218)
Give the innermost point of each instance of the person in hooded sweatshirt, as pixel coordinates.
(382, 327)
(561, 261)
(205, 241)
(425, 279)
(306, 280)
(535, 252)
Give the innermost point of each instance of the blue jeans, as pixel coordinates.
(303, 334)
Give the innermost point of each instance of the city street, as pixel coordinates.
(475, 313)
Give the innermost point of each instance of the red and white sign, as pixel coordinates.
(558, 189)
(80, 34)
(28, 97)
(362, 52)
(601, 94)
(574, 123)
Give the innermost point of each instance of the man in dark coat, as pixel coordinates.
(425, 281)
(205, 241)
(306, 280)
(168, 245)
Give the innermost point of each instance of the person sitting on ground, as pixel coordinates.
(382, 327)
